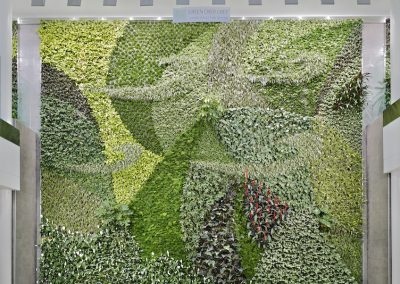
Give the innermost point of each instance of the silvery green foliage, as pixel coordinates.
(227, 77)
(131, 153)
(184, 73)
(251, 135)
(299, 253)
(203, 187)
(136, 62)
(109, 256)
(271, 60)
(347, 66)
(217, 257)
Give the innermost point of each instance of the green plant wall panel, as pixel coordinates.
(201, 153)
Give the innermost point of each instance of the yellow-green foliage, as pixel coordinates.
(114, 134)
(337, 183)
(82, 50)
(65, 201)
(337, 180)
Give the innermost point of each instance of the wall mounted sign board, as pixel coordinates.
(146, 2)
(218, 2)
(202, 15)
(110, 3)
(74, 3)
(255, 2)
(37, 3)
(182, 2)
(9, 157)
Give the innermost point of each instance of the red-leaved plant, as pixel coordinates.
(264, 210)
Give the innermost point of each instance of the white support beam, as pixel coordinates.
(164, 8)
(395, 50)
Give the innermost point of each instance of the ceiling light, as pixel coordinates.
(328, 17)
(159, 18)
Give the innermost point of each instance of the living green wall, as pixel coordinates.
(154, 134)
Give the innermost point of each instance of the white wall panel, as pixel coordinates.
(6, 217)
(391, 146)
(9, 165)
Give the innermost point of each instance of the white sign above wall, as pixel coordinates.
(202, 15)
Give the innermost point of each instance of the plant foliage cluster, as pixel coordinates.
(263, 209)
(147, 127)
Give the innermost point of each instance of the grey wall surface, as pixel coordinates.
(376, 242)
(28, 209)
(395, 222)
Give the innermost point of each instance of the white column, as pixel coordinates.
(395, 49)
(373, 63)
(6, 60)
(29, 75)
(6, 199)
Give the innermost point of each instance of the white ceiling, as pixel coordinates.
(163, 8)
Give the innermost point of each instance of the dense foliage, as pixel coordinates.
(296, 257)
(148, 127)
(217, 258)
(157, 205)
(109, 256)
(263, 209)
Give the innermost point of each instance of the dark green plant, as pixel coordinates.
(353, 93)
(249, 251)
(217, 257)
(203, 187)
(57, 84)
(388, 75)
(68, 136)
(113, 214)
(326, 221)
(210, 110)
(157, 205)
(137, 117)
